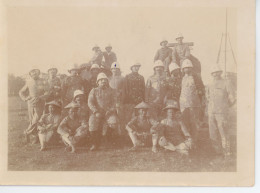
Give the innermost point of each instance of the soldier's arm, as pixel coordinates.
(130, 127)
(62, 129)
(147, 90)
(143, 88)
(92, 102)
(231, 92)
(22, 92)
(187, 51)
(173, 55)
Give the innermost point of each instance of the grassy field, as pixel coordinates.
(23, 157)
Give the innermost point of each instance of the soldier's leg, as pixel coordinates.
(194, 120)
(221, 124)
(68, 140)
(213, 133)
(163, 142)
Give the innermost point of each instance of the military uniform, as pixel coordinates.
(139, 130)
(173, 88)
(180, 52)
(33, 93)
(100, 100)
(109, 59)
(117, 83)
(220, 96)
(165, 55)
(190, 102)
(97, 58)
(155, 93)
(71, 84)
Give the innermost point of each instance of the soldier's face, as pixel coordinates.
(164, 44)
(170, 113)
(73, 113)
(95, 71)
(187, 70)
(51, 109)
(135, 68)
(176, 73)
(79, 99)
(103, 82)
(216, 74)
(158, 70)
(142, 112)
(179, 40)
(115, 71)
(108, 49)
(34, 74)
(52, 72)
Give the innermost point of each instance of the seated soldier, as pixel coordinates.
(80, 99)
(139, 127)
(72, 129)
(172, 133)
(49, 123)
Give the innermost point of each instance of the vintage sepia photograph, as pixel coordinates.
(121, 87)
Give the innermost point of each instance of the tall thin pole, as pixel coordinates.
(219, 48)
(232, 50)
(226, 47)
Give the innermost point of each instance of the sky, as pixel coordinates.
(62, 36)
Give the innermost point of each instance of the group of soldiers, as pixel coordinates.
(96, 103)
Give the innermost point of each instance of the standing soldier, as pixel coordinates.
(53, 85)
(72, 83)
(101, 102)
(164, 54)
(98, 56)
(173, 83)
(134, 90)
(94, 70)
(181, 52)
(156, 89)
(33, 93)
(220, 97)
(110, 58)
(192, 91)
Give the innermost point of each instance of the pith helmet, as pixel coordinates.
(77, 93)
(115, 65)
(94, 66)
(142, 105)
(74, 67)
(55, 103)
(52, 67)
(172, 105)
(173, 66)
(216, 68)
(186, 64)
(158, 63)
(101, 76)
(136, 64)
(72, 105)
(179, 35)
(164, 40)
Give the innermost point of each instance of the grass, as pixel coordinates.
(23, 157)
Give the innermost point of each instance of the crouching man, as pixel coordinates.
(49, 123)
(72, 129)
(139, 127)
(101, 102)
(172, 133)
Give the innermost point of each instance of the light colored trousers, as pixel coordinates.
(45, 137)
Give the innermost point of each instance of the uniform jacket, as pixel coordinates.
(173, 88)
(97, 58)
(68, 126)
(32, 92)
(117, 83)
(192, 91)
(53, 87)
(134, 88)
(164, 54)
(156, 89)
(220, 95)
(109, 59)
(180, 52)
(48, 119)
(101, 99)
(140, 126)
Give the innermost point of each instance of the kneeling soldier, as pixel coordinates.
(172, 133)
(139, 127)
(72, 129)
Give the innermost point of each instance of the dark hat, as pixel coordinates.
(55, 103)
